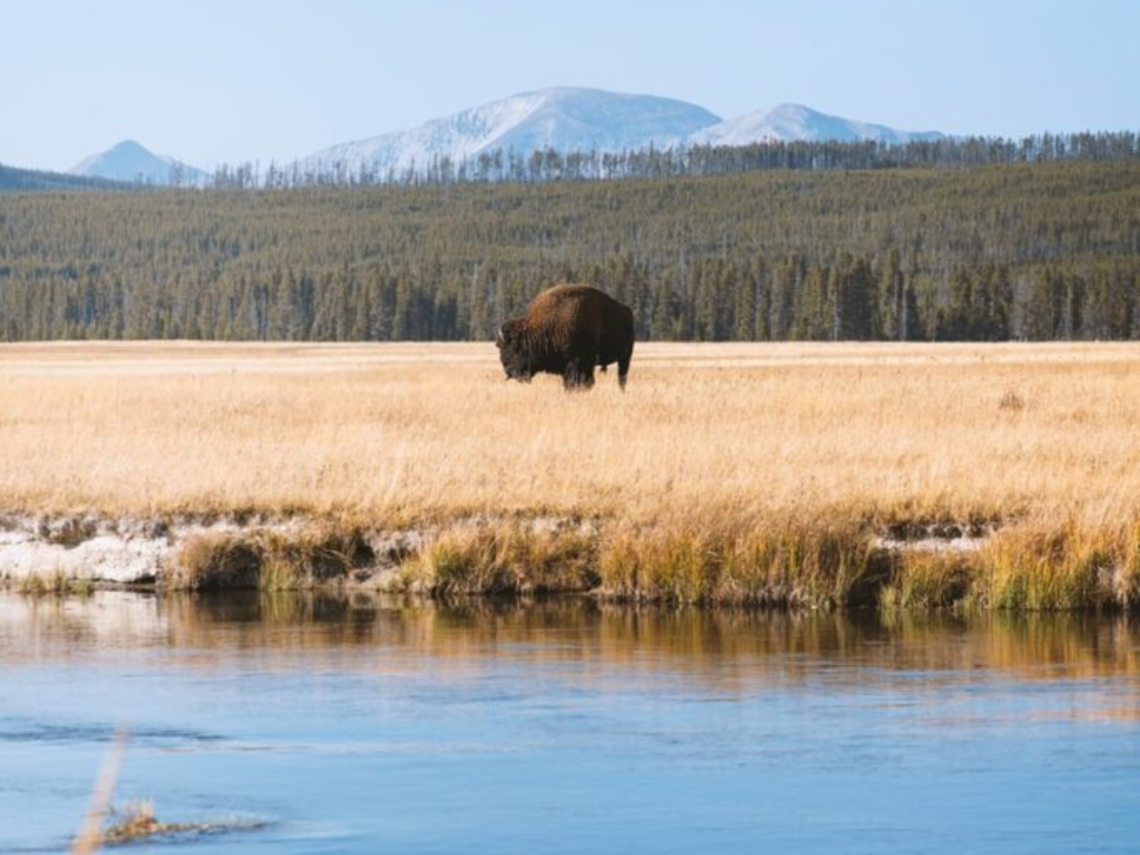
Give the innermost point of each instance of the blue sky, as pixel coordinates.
(214, 81)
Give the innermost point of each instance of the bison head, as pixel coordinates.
(513, 354)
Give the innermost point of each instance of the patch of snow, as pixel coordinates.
(561, 118)
(106, 557)
(797, 123)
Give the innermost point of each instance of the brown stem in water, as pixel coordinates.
(91, 835)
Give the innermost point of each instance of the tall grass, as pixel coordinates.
(504, 559)
(1055, 567)
(825, 559)
(267, 558)
(55, 582)
(750, 473)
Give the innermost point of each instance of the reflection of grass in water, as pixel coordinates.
(690, 640)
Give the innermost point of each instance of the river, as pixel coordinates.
(328, 724)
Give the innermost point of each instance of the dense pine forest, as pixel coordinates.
(12, 178)
(541, 165)
(1009, 249)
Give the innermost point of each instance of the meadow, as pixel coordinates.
(999, 475)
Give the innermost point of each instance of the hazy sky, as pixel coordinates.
(209, 81)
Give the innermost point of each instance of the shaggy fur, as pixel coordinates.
(568, 330)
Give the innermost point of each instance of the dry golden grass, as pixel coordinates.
(503, 559)
(411, 430)
(720, 439)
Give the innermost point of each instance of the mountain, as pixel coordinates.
(566, 119)
(796, 123)
(128, 161)
(562, 118)
(575, 119)
(15, 179)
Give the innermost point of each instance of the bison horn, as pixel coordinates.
(499, 337)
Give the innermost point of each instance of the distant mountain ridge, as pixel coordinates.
(562, 118)
(131, 162)
(797, 123)
(573, 119)
(565, 119)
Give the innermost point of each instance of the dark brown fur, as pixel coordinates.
(568, 330)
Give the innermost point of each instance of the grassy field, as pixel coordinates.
(738, 472)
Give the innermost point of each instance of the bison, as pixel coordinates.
(567, 330)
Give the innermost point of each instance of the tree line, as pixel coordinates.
(549, 164)
(15, 179)
(1044, 250)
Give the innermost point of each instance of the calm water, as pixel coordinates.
(364, 726)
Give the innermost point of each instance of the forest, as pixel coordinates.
(545, 165)
(12, 178)
(1008, 248)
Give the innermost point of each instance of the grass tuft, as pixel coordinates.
(216, 561)
(317, 552)
(134, 822)
(506, 558)
(1031, 569)
(1127, 582)
(928, 579)
(1028, 567)
(56, 582)
(1011, 401)
(267, 558)
(795, 561)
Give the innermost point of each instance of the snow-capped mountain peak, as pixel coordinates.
(795, 122)
(132, 162)
(561, 118)
(565, 119)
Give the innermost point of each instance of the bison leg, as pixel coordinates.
(579, 374)
(623, 366)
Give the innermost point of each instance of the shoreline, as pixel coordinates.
(976, 564)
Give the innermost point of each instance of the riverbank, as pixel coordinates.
(996, 476)
(796, 564)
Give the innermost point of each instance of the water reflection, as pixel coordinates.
(356, 724)
(726, 648)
